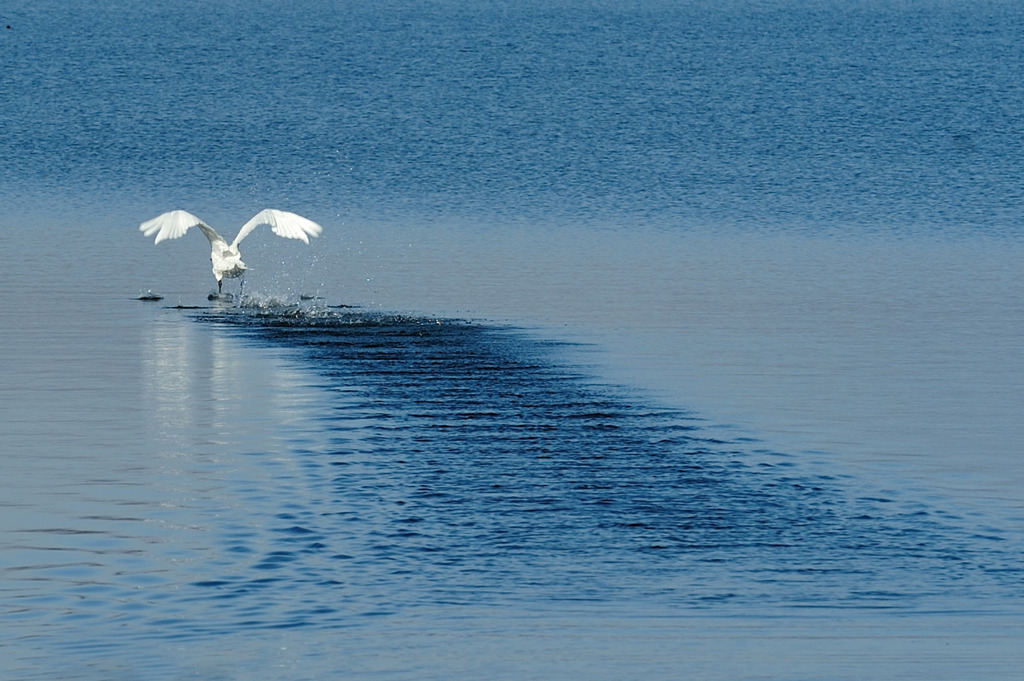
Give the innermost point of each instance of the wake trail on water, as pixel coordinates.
(464, 459)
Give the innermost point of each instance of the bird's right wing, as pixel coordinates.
(174, 224)
(282, 223)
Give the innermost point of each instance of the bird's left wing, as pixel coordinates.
(174, 224)
(283, 223)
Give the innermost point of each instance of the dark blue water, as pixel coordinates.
(820, 115)
(495, 474)
(646, 339)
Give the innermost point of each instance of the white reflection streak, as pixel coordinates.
(226, 384)
(254, 394)
(208, 391)
(169, 378)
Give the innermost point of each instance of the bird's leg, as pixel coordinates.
(220, 284)
(241, 286)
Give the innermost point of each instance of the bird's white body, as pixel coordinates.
(225, 258)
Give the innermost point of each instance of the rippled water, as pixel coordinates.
(667, 339)
(426, 497)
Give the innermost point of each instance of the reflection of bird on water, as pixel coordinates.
(227, 262)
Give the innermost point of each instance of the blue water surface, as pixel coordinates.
(820, 115)
(661, 339)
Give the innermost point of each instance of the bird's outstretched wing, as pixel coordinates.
(174, 224)
(283, 223)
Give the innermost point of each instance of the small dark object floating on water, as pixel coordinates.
(149, 295)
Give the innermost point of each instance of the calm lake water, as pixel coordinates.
(647, 340)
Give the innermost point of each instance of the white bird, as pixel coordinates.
(227, 262)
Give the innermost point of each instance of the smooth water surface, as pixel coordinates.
(652, 339)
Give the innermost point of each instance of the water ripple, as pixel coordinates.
(461, 464)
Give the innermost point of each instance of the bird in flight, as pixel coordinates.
(226, 260)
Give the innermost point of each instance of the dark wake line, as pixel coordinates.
(470, 458)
